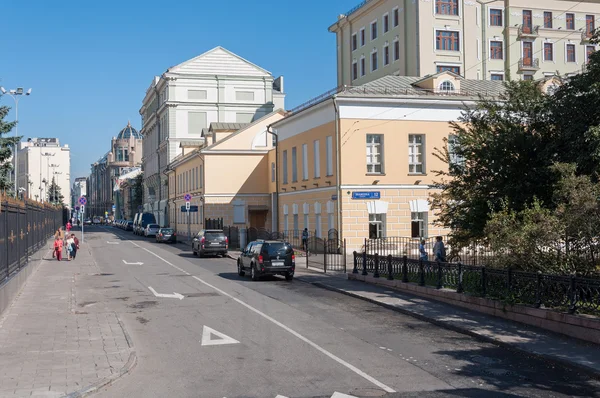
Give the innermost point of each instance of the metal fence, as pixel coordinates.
(25, 227)
(563, 293)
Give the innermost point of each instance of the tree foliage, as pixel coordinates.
(6, 148)
(54, 194)
(137, 190)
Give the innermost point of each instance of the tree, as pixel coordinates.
(54, 194)
(6, 147)
(137, 192)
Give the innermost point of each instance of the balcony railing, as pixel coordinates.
(528, 30)
(587, 34)
(529, 64)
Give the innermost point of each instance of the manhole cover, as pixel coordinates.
(483, 360)
(368, 392)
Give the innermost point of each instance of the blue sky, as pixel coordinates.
(90, 62)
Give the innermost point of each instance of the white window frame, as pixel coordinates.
(375, 53)
(420, 217)
(363, 66)
(587, 58)
(354, 65)
(490, 17)
(329, 151)
(386, 46)
(294, 164)
(376, 30)
(394, 11)
(304, 162)
(492, 40)
(396, 56)
(446, 87)
(460, 40)
(317, 159)
(422, 151)
(553, 60)
(284, 161)
(379, 221)
(566, 54)
(497, 73)
(296, 225)
(306, 221)
(380, 146)
(387, 14)
(318, 226)
(352, 40)
(362, 37)
(286, 222)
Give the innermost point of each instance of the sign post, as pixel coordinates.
(82, 202)
(187, 198)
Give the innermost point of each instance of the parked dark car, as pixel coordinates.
(128, 225)
(210, 241)
(166, 235)
(267, 257)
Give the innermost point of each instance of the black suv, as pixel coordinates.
(267, 257)
(212, 241)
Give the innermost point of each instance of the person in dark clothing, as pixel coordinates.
(75, 246)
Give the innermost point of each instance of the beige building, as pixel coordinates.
(360, 161)
(230, 175)
(477, 39)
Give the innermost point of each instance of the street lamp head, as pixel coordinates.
(28, 92)
(20, 90)
(13, 91)
(3, 90)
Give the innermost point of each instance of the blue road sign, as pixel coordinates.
(193, 209)
(77, 208)
(83, 201)
(366, 195)
(187, 197)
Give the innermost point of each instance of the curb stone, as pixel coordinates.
(593, 373)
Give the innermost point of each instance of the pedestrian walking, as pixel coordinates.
(70, 247)
(75, 246)
(439, 250)
(305, 239)
(58, 248)
(69, 226)
(422, 252)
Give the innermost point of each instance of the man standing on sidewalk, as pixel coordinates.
(76, 246)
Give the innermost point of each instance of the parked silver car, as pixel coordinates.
(151, 230)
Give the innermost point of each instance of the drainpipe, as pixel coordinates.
(338, 168)
(418, 41)
(276, 172)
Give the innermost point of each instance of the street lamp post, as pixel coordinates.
(15, 94)
(42, 154)
(55, 173)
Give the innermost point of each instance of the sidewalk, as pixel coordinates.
(54, 341)
(530, 340)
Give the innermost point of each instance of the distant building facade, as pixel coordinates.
(483, 40)
(217, 86)
(41, 160)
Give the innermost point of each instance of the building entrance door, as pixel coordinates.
(258, 218)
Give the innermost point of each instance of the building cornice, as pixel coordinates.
(234, 152)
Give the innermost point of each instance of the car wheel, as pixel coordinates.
(194, 251)
(240, 269)
(253, 273)
(200, 254)
(289, 276)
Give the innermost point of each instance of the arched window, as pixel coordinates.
(447, 86)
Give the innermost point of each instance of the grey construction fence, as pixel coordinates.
(562, 293)
(25, 226)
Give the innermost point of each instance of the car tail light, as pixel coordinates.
(174, 234)
(293, 258)
(260, 259)
(226, 242)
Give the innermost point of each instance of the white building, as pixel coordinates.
(79, 189)
(180, 105)
(40, 160)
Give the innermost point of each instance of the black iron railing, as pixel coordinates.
(562, 293)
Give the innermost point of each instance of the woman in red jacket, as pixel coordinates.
(58, 248)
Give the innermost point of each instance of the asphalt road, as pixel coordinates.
(231, 337)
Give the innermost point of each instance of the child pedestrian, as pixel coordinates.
(70, 247)
(58, 248)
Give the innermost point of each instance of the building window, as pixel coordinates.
(548, 52)
(374, 61)
(305, 220)
(527, 21)
(329, 222)
(329, 150)
(446, 86)
(528, 77)
(386, 23)
(447, 41)
(284, 160)
(286, 225)
(294, 165)
(295, 225)
(570, 21)
(444, 68)
(396, 50)
(453, 158)
(496, 17)
(446, 7)
(376, 226)
(396, 17)
(201, 178)
(354, 42)
(589, 50)
(373, 30)
(386, 55)
(354, 70)
(362, 37)
(415, 153)
(497, 76)
(317, 159)
(196, 122)
(418, 225)
(496, 51)
(363, 69)
(272, 171)
(318, 226)
(305, 162)
(547, 20)
(590, 25)
(571, 53)
(374, 153)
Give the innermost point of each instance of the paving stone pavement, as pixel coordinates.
(54, 340)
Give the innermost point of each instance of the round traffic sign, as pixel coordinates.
(82, 200)
(77, 208)
(187, 197)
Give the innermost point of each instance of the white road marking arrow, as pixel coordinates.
(340, 395)
(112, 243)
(222, 338)
(138, 263)
(174, 295)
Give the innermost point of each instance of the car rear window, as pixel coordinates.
(215, 235)
(277, 248)
(166, 231)
(153, 226)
